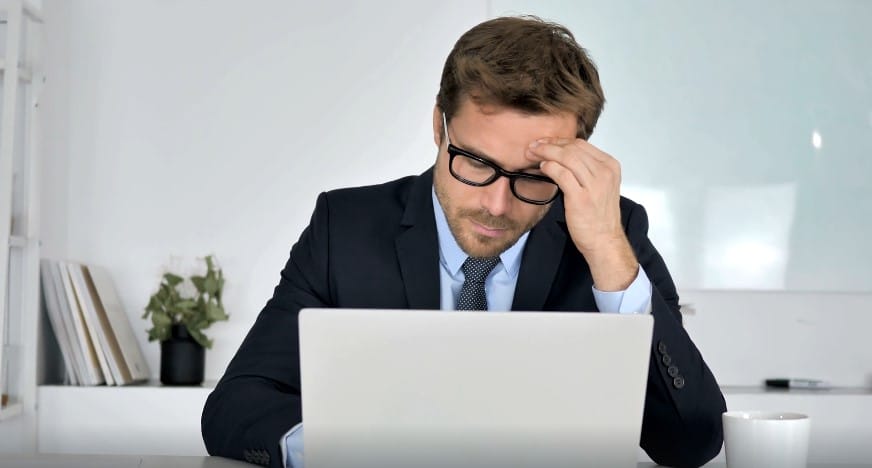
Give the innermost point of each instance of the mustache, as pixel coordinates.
(487, 219)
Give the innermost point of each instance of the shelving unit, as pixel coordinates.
(19, 205)
(142, 419)
(155, 420)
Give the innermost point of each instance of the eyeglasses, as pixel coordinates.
(474, 170)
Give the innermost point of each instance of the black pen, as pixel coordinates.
(797, 383)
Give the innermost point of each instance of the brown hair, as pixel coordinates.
(524, 63)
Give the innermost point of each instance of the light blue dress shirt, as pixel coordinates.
(500, 290)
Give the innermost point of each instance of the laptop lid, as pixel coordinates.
(407, 388)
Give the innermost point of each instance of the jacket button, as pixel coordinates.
(661, 347)
(672, 371)
(678, 382)
(666, 359)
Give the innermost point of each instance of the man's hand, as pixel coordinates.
(591, 183)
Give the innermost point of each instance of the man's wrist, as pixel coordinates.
(613, 264)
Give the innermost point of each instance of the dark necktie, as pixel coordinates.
(475, 271)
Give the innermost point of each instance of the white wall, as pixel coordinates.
(178, 129)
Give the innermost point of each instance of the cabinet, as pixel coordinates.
(19, 205)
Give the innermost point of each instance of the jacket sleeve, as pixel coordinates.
(682, 425)
(258, 399)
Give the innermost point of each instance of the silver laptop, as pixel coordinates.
(408, 388)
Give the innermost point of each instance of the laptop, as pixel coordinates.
(413, 388)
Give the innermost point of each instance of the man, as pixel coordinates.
(518, 196)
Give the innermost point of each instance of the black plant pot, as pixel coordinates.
(182, 359)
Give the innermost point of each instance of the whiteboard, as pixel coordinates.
(744, 128)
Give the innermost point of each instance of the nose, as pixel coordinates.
(497, 197)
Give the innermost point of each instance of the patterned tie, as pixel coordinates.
(475, 270)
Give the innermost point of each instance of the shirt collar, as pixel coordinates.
(452, 256)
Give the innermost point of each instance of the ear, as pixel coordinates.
(438, 131)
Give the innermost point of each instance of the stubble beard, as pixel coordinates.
(473, 243)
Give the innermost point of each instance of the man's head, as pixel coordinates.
(506, 83)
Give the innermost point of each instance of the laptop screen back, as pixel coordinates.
(391, 388)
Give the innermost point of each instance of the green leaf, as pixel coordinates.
(214, 312)
(210, 285)
(159, 333)
(199, 283)
(153, 303)
(161, 320)
(172, 280)
(201, 338)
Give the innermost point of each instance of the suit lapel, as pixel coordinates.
(418, 252)
(418, 246)
(541, 260)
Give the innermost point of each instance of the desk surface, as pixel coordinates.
(152, 461)
(115, 461)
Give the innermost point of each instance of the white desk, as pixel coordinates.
(116, 461)
(154, 461)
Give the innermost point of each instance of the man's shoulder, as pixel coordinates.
(628, 205)
(633, 215)
(386, 190)
(388, 199)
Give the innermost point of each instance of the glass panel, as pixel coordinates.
(11, 371)
(745, 128)
(3, 28)
(10, 365)
(20, 163)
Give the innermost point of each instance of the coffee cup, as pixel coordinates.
(758, 439)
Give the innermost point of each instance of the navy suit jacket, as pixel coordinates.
(377, 247)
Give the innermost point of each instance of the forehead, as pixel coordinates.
(503, 134)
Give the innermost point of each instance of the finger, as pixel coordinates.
(593, 151)
(556, 149)
(563, 176)
(571, 156)
(556, 141)
(604, 162)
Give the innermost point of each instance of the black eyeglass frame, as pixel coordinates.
(454, 151)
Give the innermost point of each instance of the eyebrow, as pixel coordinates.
(475, 151)
(482, 154)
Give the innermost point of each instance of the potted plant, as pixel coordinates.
(178, 322)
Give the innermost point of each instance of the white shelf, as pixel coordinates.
(156, 420)
(147, 419)
(24, 73)
(19, 190)
(767, 392)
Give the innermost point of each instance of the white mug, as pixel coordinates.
(758, 439)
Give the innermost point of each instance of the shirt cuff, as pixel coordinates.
(292, 448)
(636, 299)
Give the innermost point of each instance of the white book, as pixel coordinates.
(123, 376)
(53, 311)
(118, 319)
(92, 322)
(92, 364)
(66, 315)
